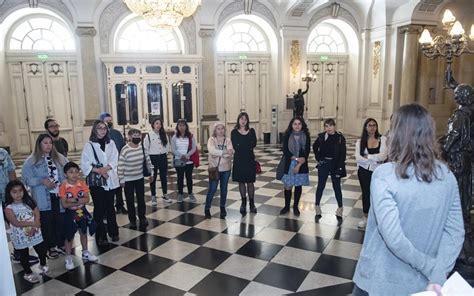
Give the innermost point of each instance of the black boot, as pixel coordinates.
(298, 190)
(286, 208)
(207, 213)
(243, 206)
(223, 212)
(253, 209)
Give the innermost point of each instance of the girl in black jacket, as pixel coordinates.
(330, 153)
(296, 148)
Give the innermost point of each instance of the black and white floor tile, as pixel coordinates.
(182, 253)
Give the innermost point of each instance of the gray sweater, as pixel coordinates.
(414, 233)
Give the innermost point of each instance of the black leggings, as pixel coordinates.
(188, 171)
(160, 162)
(104, 207)
(25, 256)
(136, 189)
(365, 176)
(52, 224)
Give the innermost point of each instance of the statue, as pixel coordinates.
(298, 100)
(457, 145)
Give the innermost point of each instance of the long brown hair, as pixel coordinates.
(412, 142)
(364, 138)
(54, 154)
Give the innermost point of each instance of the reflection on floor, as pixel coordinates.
(182, 253)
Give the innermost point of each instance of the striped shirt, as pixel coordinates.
(130, 165)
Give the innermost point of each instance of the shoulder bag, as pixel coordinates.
(95, 179)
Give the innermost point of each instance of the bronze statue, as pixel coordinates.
(298, 100)
(457, 145)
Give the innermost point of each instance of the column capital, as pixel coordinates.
(410, 29)
(207, 33)
(86, 31)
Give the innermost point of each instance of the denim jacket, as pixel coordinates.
(33, 175)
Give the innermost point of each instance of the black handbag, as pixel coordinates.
(95, 179)
(281, 168)
(146, 171)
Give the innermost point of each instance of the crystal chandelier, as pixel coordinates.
(163, 13)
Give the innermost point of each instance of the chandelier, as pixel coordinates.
(451, 44)
(164, 14)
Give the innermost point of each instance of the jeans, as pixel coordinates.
(52, 224)
(188, 171)
(358, 291)
(132, 189)
(160, 162)
(104, 207)
(224, 181)
(324, 169)
(365, 176)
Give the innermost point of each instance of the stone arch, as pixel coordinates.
(237, 7)
(325, 12)
(56, 6)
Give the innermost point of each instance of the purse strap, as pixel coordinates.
(95, 155)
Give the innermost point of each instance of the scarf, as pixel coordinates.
(295, 145)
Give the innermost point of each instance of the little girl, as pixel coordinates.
(24, 218)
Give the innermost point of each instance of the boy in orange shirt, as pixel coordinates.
(74, 194)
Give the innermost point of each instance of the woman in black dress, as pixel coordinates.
(244, 141)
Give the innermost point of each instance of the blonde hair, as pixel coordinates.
(214, 134)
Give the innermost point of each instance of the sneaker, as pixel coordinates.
(32, 278)
(362, 223)
(192, 198)
(43, 268)
(16, 258)
(61, 250)
(180, 197)
(88, 256)
(68, 263)
(53, 254)
(166, 199)
(318, 210)
(154, 203)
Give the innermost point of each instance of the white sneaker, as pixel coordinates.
(32, 278)
(362, 223)
(68, 263)
(154, 203)
(180, 197)
(88, 256)
(166, 199)
(192, 198)
(43, 268)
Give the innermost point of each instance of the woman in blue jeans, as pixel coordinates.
(220, 157)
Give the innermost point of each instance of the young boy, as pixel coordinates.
(130, 171)
(74, 194)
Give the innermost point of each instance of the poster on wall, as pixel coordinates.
(155, 108)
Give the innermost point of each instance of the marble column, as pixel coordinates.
(409, 65)
(89, 73)
(208, 75)
(423, 87)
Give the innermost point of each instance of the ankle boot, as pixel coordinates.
(223, 212)
(286, 208)
(253, 209)
(243, 206)
(207, 213)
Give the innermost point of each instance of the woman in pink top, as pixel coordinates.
(220, 156)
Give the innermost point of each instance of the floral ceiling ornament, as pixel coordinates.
(376, 57)
(295, 57)
(164, 14)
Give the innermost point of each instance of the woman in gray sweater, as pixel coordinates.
(415, 228)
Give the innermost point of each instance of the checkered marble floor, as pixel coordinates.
(182, 253)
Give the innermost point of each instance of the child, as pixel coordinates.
(74, 194)
(24, 217)
(130, 171)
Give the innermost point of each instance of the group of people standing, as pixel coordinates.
(401, 178)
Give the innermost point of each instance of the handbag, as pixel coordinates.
(214, 171)
(179, 163)
(95, 179)
(146, 171)
(281, 168)
(195, 156)
(258, 168)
